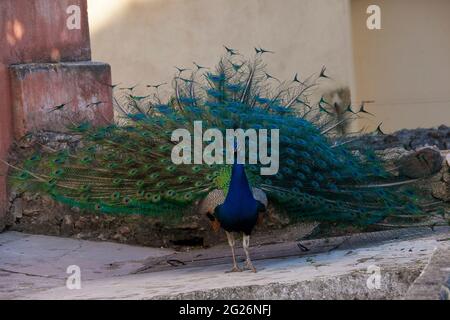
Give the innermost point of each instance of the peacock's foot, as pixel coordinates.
(234, 269)
(250, 266)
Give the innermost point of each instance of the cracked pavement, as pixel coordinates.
(34, 267)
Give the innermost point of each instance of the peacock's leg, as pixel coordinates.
(246, 245)
(231, 242)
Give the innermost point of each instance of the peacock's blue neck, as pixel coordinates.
(239, 188)
(240, 209)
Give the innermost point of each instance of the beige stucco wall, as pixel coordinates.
(144, 39)
(405, 66)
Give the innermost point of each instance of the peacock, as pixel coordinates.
(127, 167)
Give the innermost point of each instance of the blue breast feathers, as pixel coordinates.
(239, 212)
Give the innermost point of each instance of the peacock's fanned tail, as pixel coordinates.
(127, 168)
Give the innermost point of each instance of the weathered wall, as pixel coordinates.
(35, 31)
(36, 89)
(405, 66)
(144, 39)
(31, 32)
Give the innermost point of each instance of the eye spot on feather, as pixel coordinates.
(148, 196)
(58, 172)
(86, 160)
(164, 148)
(146, 151)
(85, 188)
(116, 196)
(133, 172)
(171, 168)
(198, 184)
(147, 167)
(315, 185)
(117, 182)
(126, 200)
(24, 176)
(35, 158)
(141, 193)
(154, 176)
(156, 198)
(170, 193)
(160, 184)
(59, 161)
(113, 166)
(140, 184)
(85, 197)
(91, 149)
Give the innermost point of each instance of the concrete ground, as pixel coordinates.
(34, 263)
(34, 267)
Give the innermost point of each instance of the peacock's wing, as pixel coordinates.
(260, 196)
(214, 199)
